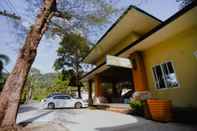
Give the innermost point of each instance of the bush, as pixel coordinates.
(137, 107)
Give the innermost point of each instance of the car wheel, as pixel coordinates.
(51, 106)
(78, 105)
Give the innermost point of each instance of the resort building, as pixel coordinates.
(144, 54)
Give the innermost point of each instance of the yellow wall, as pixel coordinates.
(180, 50)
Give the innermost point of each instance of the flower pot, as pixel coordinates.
(160, 110)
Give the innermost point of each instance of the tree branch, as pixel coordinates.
(11, 15)
(47, 22)
(61, 30)
(63, 15)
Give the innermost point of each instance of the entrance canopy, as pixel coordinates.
(118, 61)
(116, 75)
(116, 69)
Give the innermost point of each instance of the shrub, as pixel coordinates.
(137, 107)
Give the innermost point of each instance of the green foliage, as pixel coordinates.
(60, 86)
(39, 93)
(2, 81)
(43, 85)
(3, 61)
(136, 104)
(137, 107)
(73, 48)
(23, 97)
(80, 15)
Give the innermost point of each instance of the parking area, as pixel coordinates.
(90, 120)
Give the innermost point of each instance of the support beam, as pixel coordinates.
(138, 71)
(98, 88)
(90, 100)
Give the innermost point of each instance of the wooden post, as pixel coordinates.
(138, 71)
(90, 100)
(98, 89)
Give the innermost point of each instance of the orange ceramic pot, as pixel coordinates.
(160, 110)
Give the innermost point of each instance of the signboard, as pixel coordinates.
(118, 61)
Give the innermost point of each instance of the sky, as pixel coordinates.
(10, 44)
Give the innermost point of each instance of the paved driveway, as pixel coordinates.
(93, 120)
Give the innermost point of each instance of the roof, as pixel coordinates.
(133, 20)
(184, 18)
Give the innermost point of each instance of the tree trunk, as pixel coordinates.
(77, 74)
(29, 95)
(10, 96)
(79, 91)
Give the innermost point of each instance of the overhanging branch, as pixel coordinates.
(59, 28)
(11, 15)
(63, 15)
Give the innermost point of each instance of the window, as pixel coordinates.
(165, 76)
(67, 97)
(61, 97)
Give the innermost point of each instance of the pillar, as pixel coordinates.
(90, 100)
(98, 88)
(140, 80)
(138, 72)
(99, 98)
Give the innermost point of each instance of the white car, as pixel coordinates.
(63, 101)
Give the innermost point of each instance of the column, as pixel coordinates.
(98, 89)
(90, 100)
(138, 72)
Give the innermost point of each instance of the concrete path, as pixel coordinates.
(93, 120)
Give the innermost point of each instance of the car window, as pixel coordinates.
(61, 97)
(67, 97)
